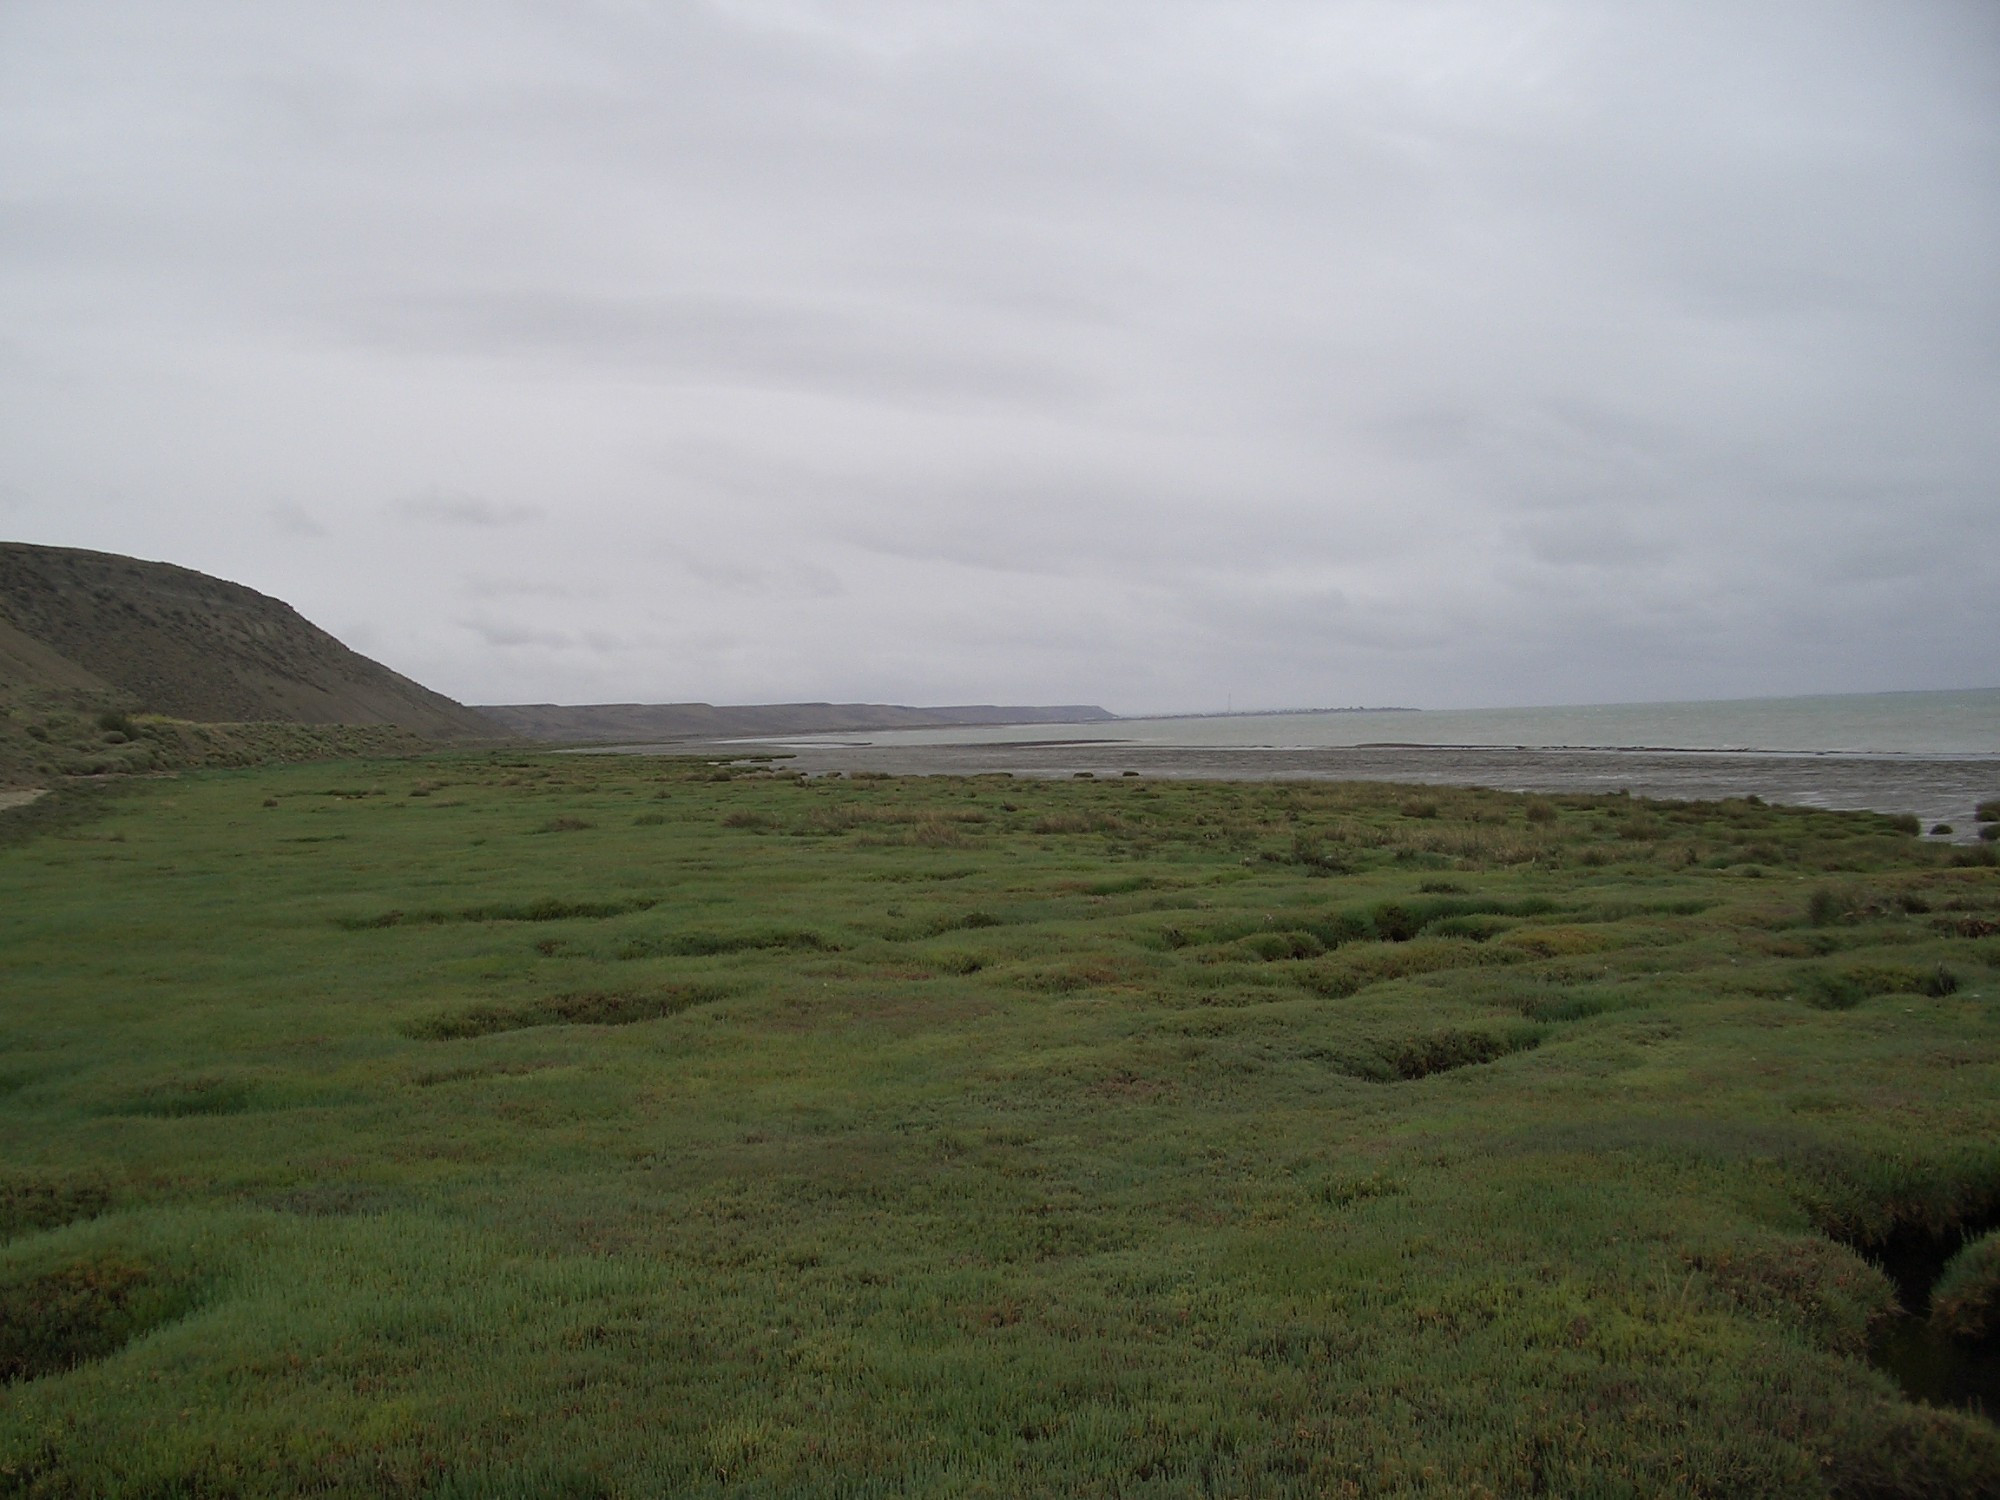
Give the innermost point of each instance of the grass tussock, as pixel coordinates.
(1966, 1301)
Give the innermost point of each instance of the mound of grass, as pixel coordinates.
(1965, 1304)
(56, 1319)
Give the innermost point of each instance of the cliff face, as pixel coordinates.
(181, 643)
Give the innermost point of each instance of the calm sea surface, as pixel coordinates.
(1955, 724)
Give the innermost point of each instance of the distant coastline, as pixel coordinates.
(1265, 713)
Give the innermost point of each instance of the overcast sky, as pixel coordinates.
(1156, 353)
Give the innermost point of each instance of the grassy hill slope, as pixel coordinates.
(184, 644)
(26, 663)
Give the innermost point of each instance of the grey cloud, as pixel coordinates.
(447, 508)
(295, 520)
(514, 588)
(739, 340)
(1593, 541)
(508, 634)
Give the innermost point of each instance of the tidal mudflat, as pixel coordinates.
(606, 1125)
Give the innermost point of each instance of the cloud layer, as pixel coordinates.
(1421, 351)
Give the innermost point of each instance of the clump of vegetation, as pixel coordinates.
(1965, 1304)
(31, 1201)
(1827, 905)
(56, 1319)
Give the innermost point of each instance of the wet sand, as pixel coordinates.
(1935, 790)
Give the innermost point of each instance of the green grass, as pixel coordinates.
(494, 1124)
(48, 735)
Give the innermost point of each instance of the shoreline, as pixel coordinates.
(1935, 789)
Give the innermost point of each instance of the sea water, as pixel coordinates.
(1926, 724)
